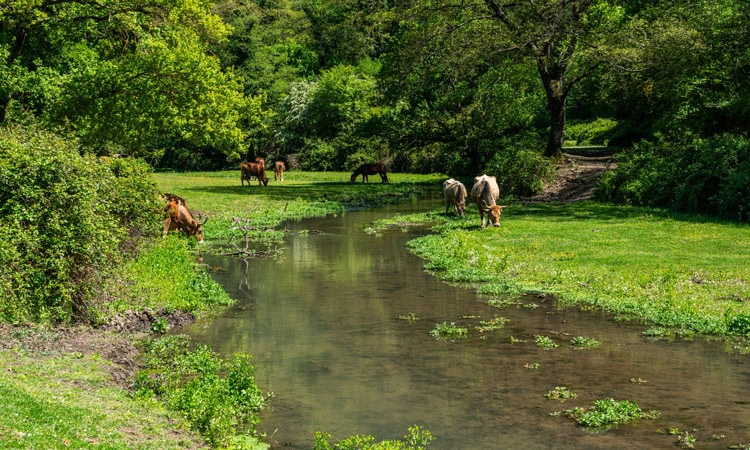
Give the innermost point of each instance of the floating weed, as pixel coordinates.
(668, 334)
(581, 342)
(686, 440)
(531, 366)
(448, 331)
(638, 380)
(501, 303)
(411, 317)
(740, 446)
(531, 305)
(740, 345)
(560, 393)
(493, 324)
(470, 316)
(516, 340)
(545, 342)
(608, 412)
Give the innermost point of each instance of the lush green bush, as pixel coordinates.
(520, 171)
(65, 222)
(710, 176)
(218, 397)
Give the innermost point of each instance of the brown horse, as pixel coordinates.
(370, 169)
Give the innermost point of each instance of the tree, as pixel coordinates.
(563, 38)
(124, 73)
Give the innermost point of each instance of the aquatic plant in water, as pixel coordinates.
(545, 342)
(493, 324)
(581, 342)
(608, 412)
(448, 331)
(561, 393)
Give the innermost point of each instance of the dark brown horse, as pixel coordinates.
(370, 169)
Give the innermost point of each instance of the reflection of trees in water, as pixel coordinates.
(244, 281)
(245, 252)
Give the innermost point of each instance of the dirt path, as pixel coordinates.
(575, 179)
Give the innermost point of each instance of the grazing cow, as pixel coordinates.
(485, 193)
(370, 169)
(278, 171)
(253, 169)
(454, 193)
(180, 218)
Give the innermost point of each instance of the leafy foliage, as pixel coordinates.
(417, 439)
(218, 397)
(710, 176)
(608, 412)
(448, 331)
(67, 222)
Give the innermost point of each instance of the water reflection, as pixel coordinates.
(322, 325)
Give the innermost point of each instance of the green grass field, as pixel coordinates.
(681, 272)
(684, 272)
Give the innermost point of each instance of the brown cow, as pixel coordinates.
(251, 169)
(180, 218)
(454, 193)
(485, 193)
(278, 171)
(370, 169)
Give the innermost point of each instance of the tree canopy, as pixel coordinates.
(439, 85)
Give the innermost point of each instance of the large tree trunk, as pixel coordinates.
(556, 99)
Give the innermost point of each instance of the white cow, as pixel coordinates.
(454, 193)
(485, 193)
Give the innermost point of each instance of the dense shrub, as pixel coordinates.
(520, 171)
(218, 397)
(65, 222)
(706, 175)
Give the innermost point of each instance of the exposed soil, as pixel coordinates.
(575, 178)
(113, 342)
(574, 181)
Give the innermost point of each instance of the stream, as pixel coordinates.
(322, 324)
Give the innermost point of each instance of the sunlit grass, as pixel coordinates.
(673, 270)
(219, 196)
(83, 410)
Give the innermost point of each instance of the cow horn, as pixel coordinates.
(485, 206)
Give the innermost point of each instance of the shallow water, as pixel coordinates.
(322, 324)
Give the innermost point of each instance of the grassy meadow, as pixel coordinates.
(680, 273)
(685, 273)
(220, 196)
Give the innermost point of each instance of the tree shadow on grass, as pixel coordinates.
(592, 210)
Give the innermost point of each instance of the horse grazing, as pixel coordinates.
(370, 169)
